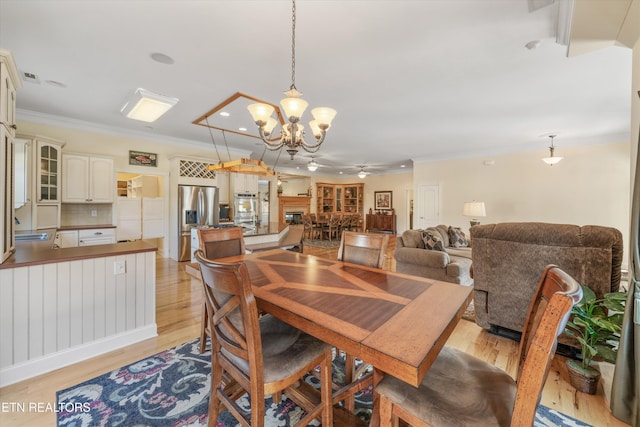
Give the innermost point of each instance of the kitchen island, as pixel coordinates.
(61, 306)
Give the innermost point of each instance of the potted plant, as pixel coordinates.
(596, 324)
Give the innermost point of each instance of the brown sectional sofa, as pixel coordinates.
(451, 265)
(509, 258)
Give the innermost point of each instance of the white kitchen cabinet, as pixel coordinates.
(48, 172)
(243, 183)
(129, 219)
(152, 217)
(96, 236)
(22, 176)
(66, 239)
(9, 82)
(222, 182)
(87, 179)
(6, 199)
(85, 237)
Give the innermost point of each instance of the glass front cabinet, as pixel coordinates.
(339, 198)
(48, 179)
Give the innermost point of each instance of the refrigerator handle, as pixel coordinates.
(200, 207)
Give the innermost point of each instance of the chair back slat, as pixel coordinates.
(549, 311)
(218, 243)
(363, 248)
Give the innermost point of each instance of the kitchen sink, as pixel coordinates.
(31, 236)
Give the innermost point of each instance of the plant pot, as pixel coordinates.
(584, 380)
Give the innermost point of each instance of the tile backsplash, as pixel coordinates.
(80, 214)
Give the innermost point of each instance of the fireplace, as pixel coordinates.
(292, 208)
(293, 217)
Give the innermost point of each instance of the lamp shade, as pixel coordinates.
(474, 209)
(552, 160)
(260, 112)
(294, 107)
(323, 115)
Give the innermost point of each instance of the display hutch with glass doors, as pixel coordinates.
(339, 198)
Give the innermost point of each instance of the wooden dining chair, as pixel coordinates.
(363, 248)
(367, 249)
(261, 355)
(331, 228)
(460, 389)
(344, 224)
(307, 222)
(217, 243)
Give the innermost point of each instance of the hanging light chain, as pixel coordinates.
(293, 45)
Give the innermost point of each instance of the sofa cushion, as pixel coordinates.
(412, 239)
(457, 239)
(432, 241)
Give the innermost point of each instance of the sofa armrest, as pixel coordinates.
(425, 257)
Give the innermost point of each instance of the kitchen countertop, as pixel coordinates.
(84, 227)
(41, 251)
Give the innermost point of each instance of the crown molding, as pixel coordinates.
(66, 122)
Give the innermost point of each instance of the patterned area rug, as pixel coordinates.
(470, 312)
(171, 388)
(322, 243)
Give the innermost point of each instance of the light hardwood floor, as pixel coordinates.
(178, 300)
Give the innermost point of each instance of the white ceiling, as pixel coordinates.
(411, 80)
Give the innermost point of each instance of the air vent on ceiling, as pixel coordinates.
(30, 77)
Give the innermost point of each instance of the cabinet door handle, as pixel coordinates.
(97, 233)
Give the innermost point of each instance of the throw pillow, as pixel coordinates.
(431, 241)
(457, 239)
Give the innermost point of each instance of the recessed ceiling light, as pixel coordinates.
(533, 44)
(340, 172)
(402, 166)
(56, 83)
(224, 114)
(147, 106)
(162, 58)
(242, 129)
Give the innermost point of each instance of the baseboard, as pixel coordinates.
(60, 359)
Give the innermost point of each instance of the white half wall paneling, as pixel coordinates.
(56, 314)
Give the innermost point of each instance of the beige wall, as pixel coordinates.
(590, 186)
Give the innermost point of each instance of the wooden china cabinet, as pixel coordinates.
(339, 198)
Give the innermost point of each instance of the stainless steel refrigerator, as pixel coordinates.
(198, 207)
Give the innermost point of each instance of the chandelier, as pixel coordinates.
(292, 133)
(551, 160)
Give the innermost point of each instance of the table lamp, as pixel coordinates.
(474, 210)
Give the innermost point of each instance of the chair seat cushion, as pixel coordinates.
(458, 390)
(285, 349)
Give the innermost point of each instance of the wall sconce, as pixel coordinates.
(474, 210)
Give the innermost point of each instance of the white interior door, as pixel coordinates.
(427, 209)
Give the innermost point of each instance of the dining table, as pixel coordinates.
(396, 322)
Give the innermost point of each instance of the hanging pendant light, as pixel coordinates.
(292, 133)
(552, 160)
